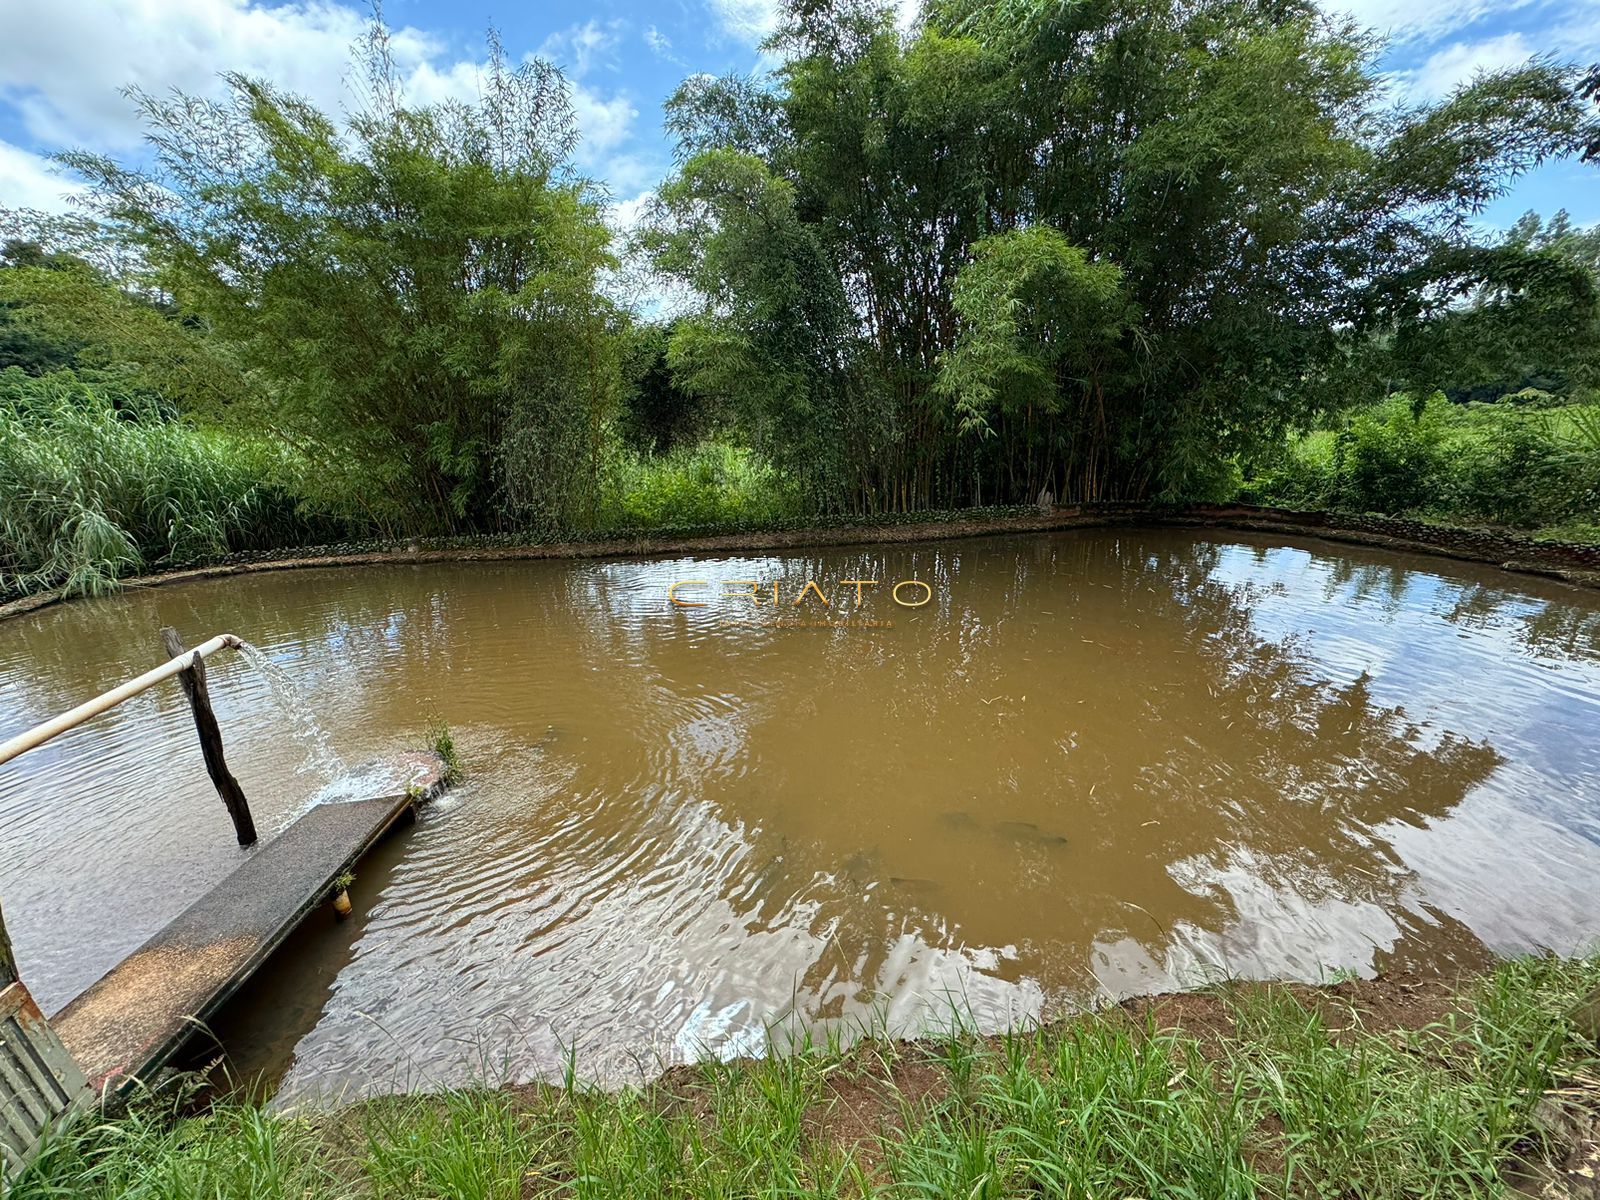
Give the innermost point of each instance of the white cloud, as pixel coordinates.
(634, 284)
(1446, 69)
(748, 21)
(626, 215)
(606, 123)
(661, 46)
(627, 173)
(1421, 20)
(63, 62)
(658, 42)
(28, 181)
(426, 83)
(580, 48)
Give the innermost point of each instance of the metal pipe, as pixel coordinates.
(40, 734)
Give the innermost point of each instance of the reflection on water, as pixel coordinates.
(1097, 762)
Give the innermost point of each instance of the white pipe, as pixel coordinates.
(40, 734)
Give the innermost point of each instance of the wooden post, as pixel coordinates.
(8, 962)
(193, 678)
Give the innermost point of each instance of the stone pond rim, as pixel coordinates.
(1575, 563)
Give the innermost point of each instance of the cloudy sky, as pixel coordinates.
(62, 63)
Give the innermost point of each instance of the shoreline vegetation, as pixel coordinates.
(1574, 562)
(1399, 1086)
(1130, 262)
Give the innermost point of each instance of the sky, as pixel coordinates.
(63, 64)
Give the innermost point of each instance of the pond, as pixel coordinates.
(1092, 764)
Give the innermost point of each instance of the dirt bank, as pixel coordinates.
(1575, 563)
(865, 1104)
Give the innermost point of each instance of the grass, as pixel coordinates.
(709, 484)
(442, 741)
(1271, 1090)
(95, 485)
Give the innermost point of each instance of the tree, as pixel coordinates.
(1589, 89)
(22, 344)
(1237, 161)
(656, 414)
(774, 345)
(60, 312)
(1527, 307)
(415, 290)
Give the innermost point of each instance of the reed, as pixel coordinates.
(95, 486)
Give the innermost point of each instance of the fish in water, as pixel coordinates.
(1027, 831)
(914, 885)
(859, 867)
(958, 818)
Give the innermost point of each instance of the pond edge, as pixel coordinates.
(1575, 563)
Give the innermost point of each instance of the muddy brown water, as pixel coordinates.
(1096, 763)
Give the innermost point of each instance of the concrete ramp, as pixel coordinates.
(138, 1015)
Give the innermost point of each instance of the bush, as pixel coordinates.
(1523, 474)
(1390, 458)
(1519, 465)
(710, 484)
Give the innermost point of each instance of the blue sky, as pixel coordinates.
(63, 61)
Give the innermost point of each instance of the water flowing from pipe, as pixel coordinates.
(321, 758)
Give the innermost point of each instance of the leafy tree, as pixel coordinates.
(415, 289)
(775, 346)
(22, 344)
(60, 312)
(1589, 89)
(1577, 243)
(1522, 309)
(656, 414)
(1279, 226)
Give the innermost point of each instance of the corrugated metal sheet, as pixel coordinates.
(39, 1082)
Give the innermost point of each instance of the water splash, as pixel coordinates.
(321, 758)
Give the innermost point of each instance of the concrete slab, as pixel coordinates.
(131, 1021)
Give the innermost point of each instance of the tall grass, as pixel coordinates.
(704, 485)
(1271, 1095)
(94, 486)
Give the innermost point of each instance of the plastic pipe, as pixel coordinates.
(41, 734)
